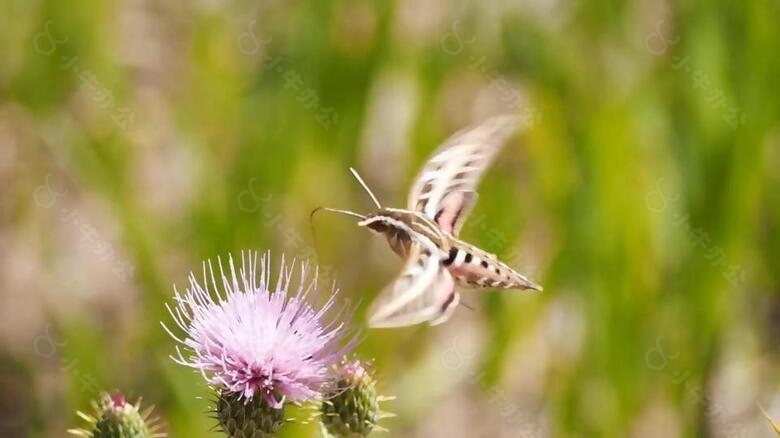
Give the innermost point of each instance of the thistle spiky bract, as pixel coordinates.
(351, 409)
(241, 418)
(114, 417)
(774, 424)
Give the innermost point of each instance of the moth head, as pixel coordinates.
(378, 222)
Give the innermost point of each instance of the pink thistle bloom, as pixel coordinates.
(118, 400)
(250, 340)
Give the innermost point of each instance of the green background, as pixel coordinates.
(574, 195)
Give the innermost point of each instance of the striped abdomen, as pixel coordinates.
(475, 268)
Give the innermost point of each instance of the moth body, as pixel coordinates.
(425, 234)
(470, 266)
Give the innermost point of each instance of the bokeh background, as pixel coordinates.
(198, 129)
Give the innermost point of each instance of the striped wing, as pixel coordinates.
(445, 189)
(424, 291)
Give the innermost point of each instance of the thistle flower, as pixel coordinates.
(351, 409)
(249, 341)
(115, 418)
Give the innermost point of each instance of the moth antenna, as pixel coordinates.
(336, 210)
(365, 186)
(332, 210)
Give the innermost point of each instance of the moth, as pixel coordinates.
(425, 233)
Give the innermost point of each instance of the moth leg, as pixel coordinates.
(447, 310)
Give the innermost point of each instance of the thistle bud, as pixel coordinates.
(114, 417)
(240, 417)
(351, 408)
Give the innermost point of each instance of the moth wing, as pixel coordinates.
(458, 164)
(423, 291)
(455, 208)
